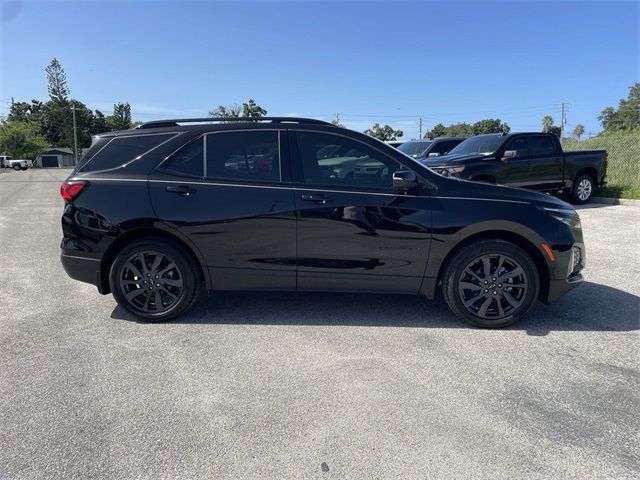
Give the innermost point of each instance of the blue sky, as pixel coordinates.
(387, 62)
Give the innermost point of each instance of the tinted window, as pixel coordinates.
(252, 155)
(121, 150)
(414, 149)
(519, 145)
(482, 144)
(352, 164)
(96, 146)
(188, 160)
(541, 145)
(444, 147)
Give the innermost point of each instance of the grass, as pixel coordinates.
(623, 171)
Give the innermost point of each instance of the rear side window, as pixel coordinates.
(121, 150)
(96, 146)
(251, 155)
(189, 160)
(541, 145)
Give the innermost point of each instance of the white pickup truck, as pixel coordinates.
(16, 164)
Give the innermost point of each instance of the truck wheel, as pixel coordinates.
(582, 190)
(490, 283)
(16, 168)
(154, 280)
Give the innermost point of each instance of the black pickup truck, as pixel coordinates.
(530, 160)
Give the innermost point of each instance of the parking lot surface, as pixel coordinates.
(280, 385)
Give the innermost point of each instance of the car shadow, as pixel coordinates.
(592, 307)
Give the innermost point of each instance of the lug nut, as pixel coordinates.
(495, 293)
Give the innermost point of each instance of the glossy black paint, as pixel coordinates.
(552, 171)
(289, 235)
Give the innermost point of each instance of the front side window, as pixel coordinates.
(251, 155)
(188, 160)
(520, 147)
(351, 164)
(121, 150)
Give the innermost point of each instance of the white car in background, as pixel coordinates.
(16, 164)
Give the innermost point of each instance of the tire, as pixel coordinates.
(175, 287)
(582, 189)
(16, 168)
(23, 168)
(505, 302)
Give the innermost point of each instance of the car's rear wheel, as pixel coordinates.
(16, 168)
(153, 279)
(582, 190)
(490, 283)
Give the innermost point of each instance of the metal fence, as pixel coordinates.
(623, 172)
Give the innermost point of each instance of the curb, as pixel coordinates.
(615, 201)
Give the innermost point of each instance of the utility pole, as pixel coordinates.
(337, 119)
(562, 122)
(75, 136)
(420, 137)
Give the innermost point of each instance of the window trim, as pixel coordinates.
(171, 136)
(299, 173)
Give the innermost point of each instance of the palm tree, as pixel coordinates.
(578, 131)
(547, 123)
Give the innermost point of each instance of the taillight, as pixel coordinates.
(70, 190)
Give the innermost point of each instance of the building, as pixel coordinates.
(57, 157)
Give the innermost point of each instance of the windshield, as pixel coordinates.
(482, 144)
(414, 149)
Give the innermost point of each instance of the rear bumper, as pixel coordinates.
(84, 269)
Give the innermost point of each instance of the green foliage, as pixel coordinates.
(463, 129)
(490, 125)
(627, 116)
(21, 139)
(623, 171)
(578, 131)
(121, 118)
(385, 133)
(57, 82)
(248, 109)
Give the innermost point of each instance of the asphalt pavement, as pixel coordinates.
(323, 386)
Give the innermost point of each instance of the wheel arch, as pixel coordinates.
(518, 240)
(143, 232)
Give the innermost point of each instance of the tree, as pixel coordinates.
(385, 133)
(547, 123)
(21, 139)
(121, 118)
(230, 111)
(438, 130)
(99, 123)
(26, 112)
(578, 131)
(252, 109)
(490, 125)
(627, 116)
(57, 82)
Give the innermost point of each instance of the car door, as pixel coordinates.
(546, 170)
(515, 163)
(354, 231)
(225, 192)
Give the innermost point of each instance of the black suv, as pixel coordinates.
(156, 214)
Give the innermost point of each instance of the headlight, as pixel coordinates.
(565, 215)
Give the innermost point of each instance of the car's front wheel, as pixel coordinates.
(153, 279)
(16, 168)
(490, 283)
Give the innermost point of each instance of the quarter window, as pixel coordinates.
(121, 150)
(251, 155)
(350, 163)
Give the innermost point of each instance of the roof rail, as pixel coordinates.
(175, 122)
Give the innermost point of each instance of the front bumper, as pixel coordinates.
(568, 272)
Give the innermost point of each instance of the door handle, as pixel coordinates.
(316, 198)
(183, 190)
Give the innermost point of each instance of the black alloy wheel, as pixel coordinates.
(153, 279)
(490, 283)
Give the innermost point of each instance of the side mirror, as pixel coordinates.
(405, 180)
(434, 154)
(509, 154)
